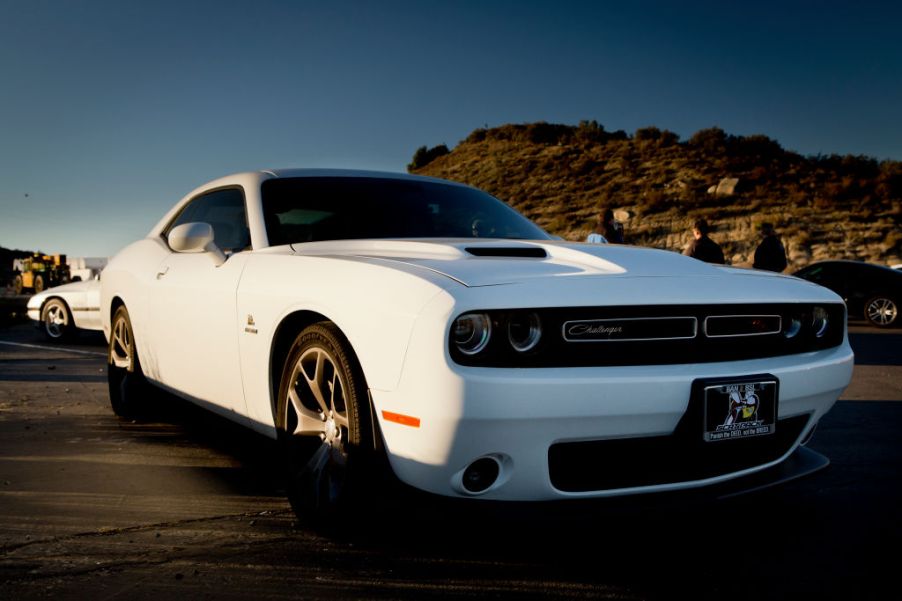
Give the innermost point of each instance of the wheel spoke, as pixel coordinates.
(342, 420)
(120, 347)
(310, 423)
(316, 383)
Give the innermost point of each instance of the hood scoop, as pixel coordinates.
(523, 252)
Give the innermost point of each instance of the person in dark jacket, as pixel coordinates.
(611, 228)
(770, 254)
(702, 247)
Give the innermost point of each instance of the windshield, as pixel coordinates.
(309, 209)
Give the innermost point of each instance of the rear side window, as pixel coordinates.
(222, 209)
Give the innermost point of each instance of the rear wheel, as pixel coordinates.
(38, 284)
(57, 319)
(127, 385)
(882, 311)
(18, 284)
(324, 423)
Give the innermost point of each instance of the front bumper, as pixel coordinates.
(516, 416)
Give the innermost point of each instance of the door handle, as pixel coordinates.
(161, 273)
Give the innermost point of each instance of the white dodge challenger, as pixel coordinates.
(359, 315)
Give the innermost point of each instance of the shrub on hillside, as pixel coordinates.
(712, 140)
(591, 132)
(547, 133)
(423, 157)
(758, 146)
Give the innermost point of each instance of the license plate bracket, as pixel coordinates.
(740, 409)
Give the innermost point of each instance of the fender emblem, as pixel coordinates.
(250, 329)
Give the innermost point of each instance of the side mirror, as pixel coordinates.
(196, 238)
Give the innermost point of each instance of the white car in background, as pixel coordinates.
(63, 309)
(356, 316)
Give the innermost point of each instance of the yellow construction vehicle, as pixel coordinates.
(34, 274)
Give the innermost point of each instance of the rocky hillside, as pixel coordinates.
(561, 176)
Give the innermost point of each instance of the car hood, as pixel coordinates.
(496, 262)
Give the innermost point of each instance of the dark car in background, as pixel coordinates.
(870, 291)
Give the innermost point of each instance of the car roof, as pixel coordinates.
(350, 173)
(856, 264)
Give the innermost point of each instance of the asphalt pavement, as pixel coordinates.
(186, 504)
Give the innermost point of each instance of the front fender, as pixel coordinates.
(374, 305)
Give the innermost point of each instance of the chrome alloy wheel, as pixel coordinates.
(317, 397)
(881, 311)
(317, 407)
(121, 349)
(56, 319)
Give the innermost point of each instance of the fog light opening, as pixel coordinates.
(480, 475)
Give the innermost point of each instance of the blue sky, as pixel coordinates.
(110, 111)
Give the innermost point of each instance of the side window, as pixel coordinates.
(224, 210)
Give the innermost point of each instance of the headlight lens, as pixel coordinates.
(524, 331)
(820, 322)
(472, 333)
(793, 327)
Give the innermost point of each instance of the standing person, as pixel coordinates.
(607, 229)
(611, 228)
(770, 253)
(598, 234)
(702, 247)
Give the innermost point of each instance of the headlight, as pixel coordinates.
(820, 322)
(524, 331)
(793, 326)
(472, 332)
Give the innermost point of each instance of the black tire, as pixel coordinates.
(882, 311)
(57, 320)
(18, 285)
(127, 385)
(38, 284)
(326, 442)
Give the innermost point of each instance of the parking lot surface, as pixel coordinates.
(185, 503)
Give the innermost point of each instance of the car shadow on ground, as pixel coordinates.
(814, 538)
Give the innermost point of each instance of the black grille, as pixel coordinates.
(659, 335)
(635, 328)
(680, 457)
(742, 325)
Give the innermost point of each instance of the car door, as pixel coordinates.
(91, 318)
(829, 275)
(195, 332)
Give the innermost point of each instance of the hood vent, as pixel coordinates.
(524, 252)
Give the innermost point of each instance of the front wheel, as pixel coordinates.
(38, 284)
(127, 385)
(57, 319)
(881, 311)
(323, 419)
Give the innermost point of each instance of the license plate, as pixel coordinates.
(738, 411)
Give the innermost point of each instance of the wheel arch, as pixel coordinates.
(50, 298)
(285, 333)
(115, 303)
